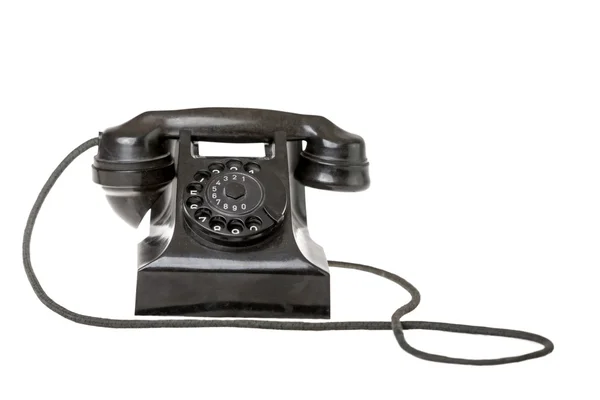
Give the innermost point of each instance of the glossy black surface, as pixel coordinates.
(228, 235)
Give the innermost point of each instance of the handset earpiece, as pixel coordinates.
(333, 158)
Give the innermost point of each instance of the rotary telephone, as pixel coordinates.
(228, 235)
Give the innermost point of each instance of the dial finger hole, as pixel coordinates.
(217, 224)
(253, 223)
(194, 189)
(202, 176)
(235, 226)
(194, 202)
(202, 214)
(216, 168)
(234, 165)
(252, 168)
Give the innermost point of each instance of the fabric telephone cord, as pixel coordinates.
(396, 325)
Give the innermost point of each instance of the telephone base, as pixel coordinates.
(188, 267)
(249, 294)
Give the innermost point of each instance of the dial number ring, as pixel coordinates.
(234, 193)
(234, 202)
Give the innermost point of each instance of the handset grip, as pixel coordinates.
(333, 158)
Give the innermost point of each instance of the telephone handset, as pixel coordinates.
(228, 234)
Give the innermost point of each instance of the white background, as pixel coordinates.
(482, 127)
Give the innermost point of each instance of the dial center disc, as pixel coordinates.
(235, 190)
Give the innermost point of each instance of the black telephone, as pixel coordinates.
(228, 235)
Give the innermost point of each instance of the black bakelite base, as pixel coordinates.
(232, 294)
(277, 271)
